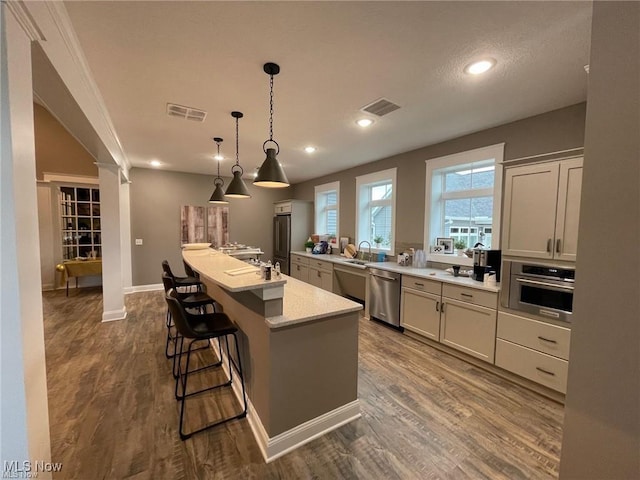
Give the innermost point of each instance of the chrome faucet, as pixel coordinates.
(369, 256)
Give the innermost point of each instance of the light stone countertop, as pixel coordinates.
(214, 264)
(428, 273)
(302, 302)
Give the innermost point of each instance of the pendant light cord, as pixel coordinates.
(271, 108)
(237, 145)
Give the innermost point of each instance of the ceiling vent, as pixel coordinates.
(187, 113)
(380, 107)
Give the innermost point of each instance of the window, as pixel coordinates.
(80, 222)
(375, 210)
(327, 206)
(463, 196)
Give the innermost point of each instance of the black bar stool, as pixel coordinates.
(190, 271)
(184, 284)
(203, 327)
(196, 301)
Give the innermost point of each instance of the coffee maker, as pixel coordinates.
(485, 261)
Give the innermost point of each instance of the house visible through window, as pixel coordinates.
(463, 197)
(327, 207)
(375, 209)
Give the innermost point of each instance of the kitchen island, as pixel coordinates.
(299, 347)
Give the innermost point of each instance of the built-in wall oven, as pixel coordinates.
(542, 290)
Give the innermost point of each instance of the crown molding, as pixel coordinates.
(24, 19)
(62, 23)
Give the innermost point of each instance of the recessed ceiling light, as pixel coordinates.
(155, 163)
(309, 149)
(364, 122)
(481, 66)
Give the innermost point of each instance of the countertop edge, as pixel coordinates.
(426, 273)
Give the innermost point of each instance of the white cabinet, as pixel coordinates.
(420, 306)
(541, 210)
(532, 349)
(300, 268)
(469, 328)
(321, 274)
(457, 316)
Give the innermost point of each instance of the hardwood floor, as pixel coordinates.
(425, 414)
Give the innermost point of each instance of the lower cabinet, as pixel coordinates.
(535, 350)
(299, 268)
(420, 313)
(321, 278)
(469, 328)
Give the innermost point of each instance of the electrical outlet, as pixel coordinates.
(138, 241)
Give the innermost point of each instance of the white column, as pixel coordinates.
(24, 410)
(125, 234)
(112, 283)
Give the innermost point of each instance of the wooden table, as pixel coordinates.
(78, 268)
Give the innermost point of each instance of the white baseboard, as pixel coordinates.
(143, 288)
(285, 442)
(48, 287)
(113, 315)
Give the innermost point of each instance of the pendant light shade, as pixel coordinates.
(237, 188)
(271, 174)
(218, 194)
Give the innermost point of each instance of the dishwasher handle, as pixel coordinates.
(388, 279)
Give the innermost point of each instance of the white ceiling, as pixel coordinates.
(335, 58)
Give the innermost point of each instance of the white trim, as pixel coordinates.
(25, 20)
(113, 315)
(60, 17)
(69, 178)
(492, 151)
(143, 288)
(370, 178)
(285, 442)
(325, 188)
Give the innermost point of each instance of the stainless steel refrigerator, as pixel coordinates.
(292, 225)
(282, 241)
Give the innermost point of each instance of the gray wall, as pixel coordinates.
(156, 198)
(553, 131)
(602, 416)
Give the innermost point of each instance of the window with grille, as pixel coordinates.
(375, 209)
(80, 222)
(463, 194)
(327, 209)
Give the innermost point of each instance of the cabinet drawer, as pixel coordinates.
(321, 265)
(471, 295)
(538, 367)
(417, 283)
(544, 337)
(299, 259)
(283, 207)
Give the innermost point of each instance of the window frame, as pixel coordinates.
(363, 182)
(450, 161)
(322, 211)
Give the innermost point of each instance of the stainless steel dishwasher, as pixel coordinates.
(385, 296)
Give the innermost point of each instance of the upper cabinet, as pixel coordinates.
(541, 210)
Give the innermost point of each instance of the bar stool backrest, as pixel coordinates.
(189, 271)
(167, 269)
(169, 284)
(180, 317)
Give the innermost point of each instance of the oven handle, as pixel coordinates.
(551, 286)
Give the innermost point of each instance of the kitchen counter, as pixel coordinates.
(301, 364)
(429, 273)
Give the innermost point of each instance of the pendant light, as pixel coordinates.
(271, 174)
(237, 188)
(218, 193)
